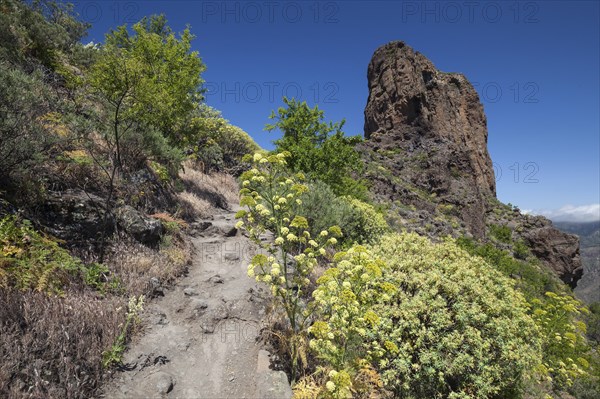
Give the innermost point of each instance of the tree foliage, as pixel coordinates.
(151, 76)
(39, 33)
(219, 144)
(318, 148)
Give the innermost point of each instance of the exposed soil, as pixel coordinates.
(201, 339)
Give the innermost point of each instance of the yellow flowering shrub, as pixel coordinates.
(270, 196)
(345, 297)
(564, 343)
(454, 328)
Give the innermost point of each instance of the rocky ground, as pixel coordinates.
(201, 338)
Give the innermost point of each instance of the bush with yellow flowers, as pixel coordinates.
(345, 297)
(270, 195)
(565, 346)
(454, 328)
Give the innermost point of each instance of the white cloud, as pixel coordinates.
(570, 213)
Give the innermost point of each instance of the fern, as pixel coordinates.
(31, 260)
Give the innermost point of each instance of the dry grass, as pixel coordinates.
(51, 347)
(218, 188)
(193, 207)
(166, 218)
(136, 265)
(226, 184)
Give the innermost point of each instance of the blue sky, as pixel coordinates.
(535, 64)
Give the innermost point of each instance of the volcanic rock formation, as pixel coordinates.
(426, 148)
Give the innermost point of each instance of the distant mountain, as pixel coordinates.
(588, 287)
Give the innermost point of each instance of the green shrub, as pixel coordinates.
(366, 225)
(455, 328)
(501, 233)
(38, 32)
(360, 222)
(556, 313)
(593, 323)
(219, 145)
(24, 102)
(521, 250)
(345, 298)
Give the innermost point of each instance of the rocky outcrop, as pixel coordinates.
(75, 217)
(78, 218)
(437, 121)
(558, 250)
(426, 153)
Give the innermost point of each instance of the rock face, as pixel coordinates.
(78, 218)
(75, 216)
(435, 119)
(426, 153)
(558, 250)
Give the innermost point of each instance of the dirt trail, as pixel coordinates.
(200, 339)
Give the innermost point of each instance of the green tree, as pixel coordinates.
(150, 81)
(38, 32)
(318, 148)
(149, 77)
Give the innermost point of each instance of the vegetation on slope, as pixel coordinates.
(93, 139)
(123, 123)
(405, 317)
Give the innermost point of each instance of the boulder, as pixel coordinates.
(143, 228)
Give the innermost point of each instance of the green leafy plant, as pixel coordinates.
(30, 260)
(366, 225)
(501, 233)
(521, 250)
(531, 280)
(360, 222)
(220, 146)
